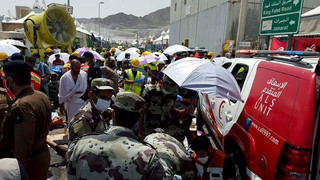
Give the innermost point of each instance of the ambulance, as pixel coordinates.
(274, 132)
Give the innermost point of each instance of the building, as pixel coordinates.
(209, 23)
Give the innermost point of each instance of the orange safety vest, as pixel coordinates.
(35, 83)
(212, 169)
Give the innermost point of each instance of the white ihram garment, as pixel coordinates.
(70, 92)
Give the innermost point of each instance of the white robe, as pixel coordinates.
(70, 92)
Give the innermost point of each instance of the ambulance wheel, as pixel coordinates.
(236, 153)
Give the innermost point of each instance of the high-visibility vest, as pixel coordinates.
(35, 82)
(135, 87)
(213, 168)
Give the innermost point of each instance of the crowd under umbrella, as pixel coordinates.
(84, 49)
(133, 54)
(161, 56)
(148, 59)
(63, 56)
(8, 48)
(205, 77)
(175, 48)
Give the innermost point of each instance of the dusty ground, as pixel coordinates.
(60, 172)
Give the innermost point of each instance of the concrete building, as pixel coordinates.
(208, 23)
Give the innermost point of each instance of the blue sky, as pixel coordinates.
(89, 8)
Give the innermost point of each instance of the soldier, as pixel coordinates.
(26, 125)
(89, 118)
(172, 153)
(117, 153)
(160, 105)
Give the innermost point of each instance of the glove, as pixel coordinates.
(179, 98)
(139, 81)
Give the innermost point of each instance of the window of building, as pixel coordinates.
(185, 2)
(175, 7)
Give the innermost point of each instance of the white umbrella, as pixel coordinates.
(132, 49)
(8, 48)
(63, 56)
(203, 76)
(132, 55)
(220, 60)
(13, 42)
(175, 48)
(118, 51)
(161, 56)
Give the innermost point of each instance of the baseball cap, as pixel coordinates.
(16, 56)
(87, 54)
(129, 101)
(101, 84)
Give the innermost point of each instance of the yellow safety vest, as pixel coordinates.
(153, 67)
(135, 87)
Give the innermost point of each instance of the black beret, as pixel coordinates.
(16, 56)
(16, 67)
(87, 54)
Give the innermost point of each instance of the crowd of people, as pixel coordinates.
(125, 120)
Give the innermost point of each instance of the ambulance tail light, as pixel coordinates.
(293, 163)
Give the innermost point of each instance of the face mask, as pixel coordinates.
(37, 61)
(203, 160)
(102, 105)
(36, 66)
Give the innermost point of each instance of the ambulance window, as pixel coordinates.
(226, 65)
(240, 72)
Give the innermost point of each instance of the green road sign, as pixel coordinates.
(280, 17)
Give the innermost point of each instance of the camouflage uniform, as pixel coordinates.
(173, 154)
(117, 153)
(159, 107)
(87, 120)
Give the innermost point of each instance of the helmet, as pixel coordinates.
(146, 53)
(210, 53)
(3, 56)
(135, 62)
(113, 49)
(49, 50)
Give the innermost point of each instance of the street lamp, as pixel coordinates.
(99, 21)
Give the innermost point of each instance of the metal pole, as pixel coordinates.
(99, 23)
(289, 42)
(68, 3)
(242, 22)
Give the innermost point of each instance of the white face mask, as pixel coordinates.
(203, 160)
(102, 105)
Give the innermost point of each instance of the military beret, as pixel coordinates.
(129, 101)
(16, 67)
(87, 54)
(16, 56)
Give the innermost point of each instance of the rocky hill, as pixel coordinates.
(157, 19)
